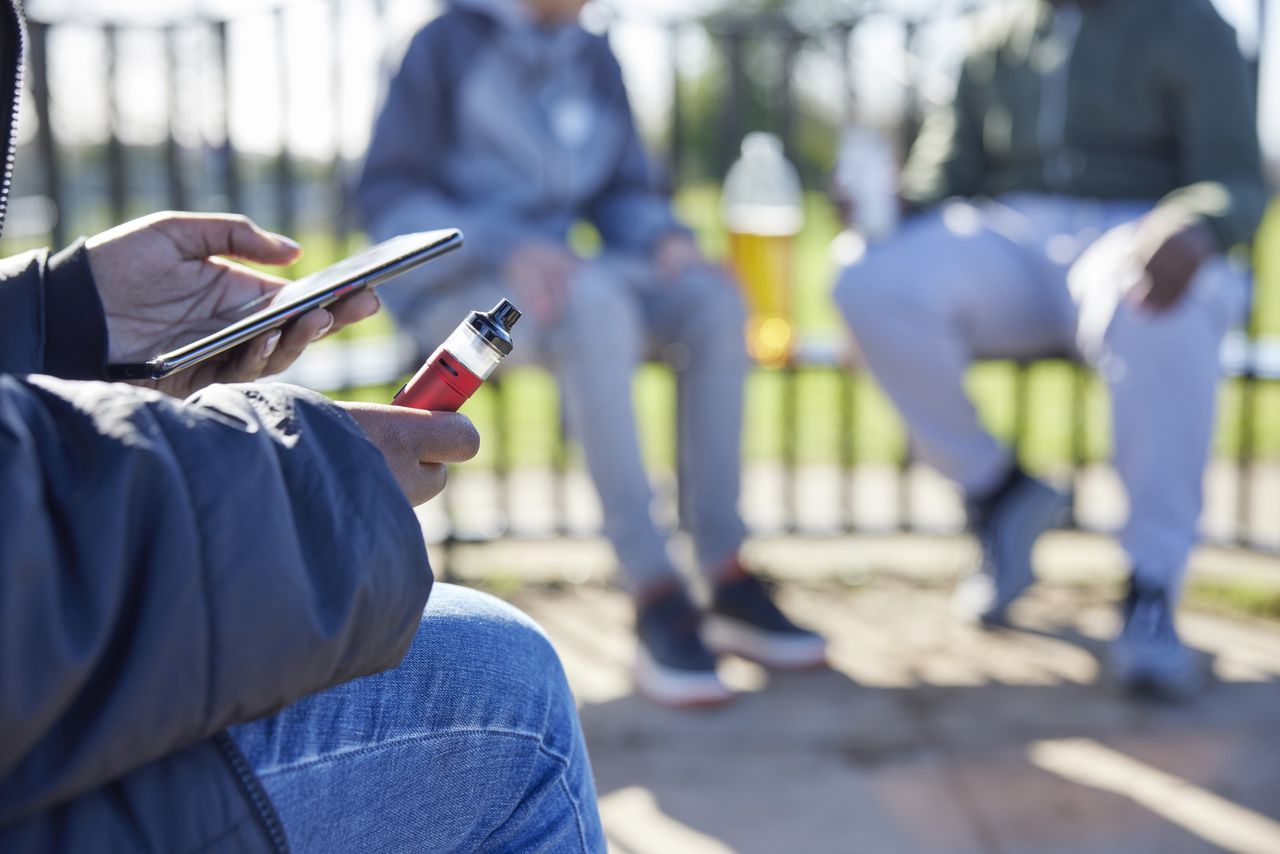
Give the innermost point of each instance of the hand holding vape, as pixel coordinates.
(463, 362)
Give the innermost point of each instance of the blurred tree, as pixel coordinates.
(751, 87)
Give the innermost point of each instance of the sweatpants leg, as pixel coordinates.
(952, 285)
(1163, 372)
(697, 321)
(594, 349)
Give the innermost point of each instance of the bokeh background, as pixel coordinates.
(925, 735)
(265, 107)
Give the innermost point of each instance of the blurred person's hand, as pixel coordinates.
(1170, 250)
(677, 254)
(539, 272)
(161, 280)
(416, 444)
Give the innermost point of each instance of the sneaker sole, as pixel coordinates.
(678, 689)
(775, 650)
(1046, 508)
(1143, 680)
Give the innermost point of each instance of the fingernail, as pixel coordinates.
(328, 324)
(273, 341)
(285, 241)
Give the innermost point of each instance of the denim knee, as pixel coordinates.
(496, 664)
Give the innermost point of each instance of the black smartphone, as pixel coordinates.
(366, 269)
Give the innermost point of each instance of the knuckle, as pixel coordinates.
(434, 478)
(468, 438)
(401, 447)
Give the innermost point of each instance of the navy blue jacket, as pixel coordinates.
(167, 569)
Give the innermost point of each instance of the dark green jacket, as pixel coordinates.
(1118, 99)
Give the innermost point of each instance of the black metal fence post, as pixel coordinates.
(117, 174)
(226, 151)
(174, 178)
(342, 219)
(734, 108)
(286, 212)
(676, 132)
(45, 142)
(1245, 450)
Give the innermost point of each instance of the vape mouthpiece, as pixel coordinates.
(494, 326)
(504, 314)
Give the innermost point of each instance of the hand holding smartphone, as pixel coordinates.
(366, 269)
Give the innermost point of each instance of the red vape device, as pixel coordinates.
(464, 361)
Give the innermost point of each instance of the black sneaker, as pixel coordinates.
(744, 621)
(673, 666)
(1147, 658)
(1007, 525)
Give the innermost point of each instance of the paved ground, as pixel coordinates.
(927, 735)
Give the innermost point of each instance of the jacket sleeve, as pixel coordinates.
(1215, 122)
(629, 212)
(51, 315)
(947, 158)
(168, 569)
(399, 189)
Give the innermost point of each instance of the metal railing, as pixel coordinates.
(191, 156)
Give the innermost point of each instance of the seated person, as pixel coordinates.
(212, 608)
(1107, 161)
(509, 120)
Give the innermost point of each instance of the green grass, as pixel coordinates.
(533, 413)
(1235, 597)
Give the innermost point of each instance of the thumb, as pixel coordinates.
(200, 236)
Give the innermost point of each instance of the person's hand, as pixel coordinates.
(675, 255)
(539, 272)
(416, 444)
(1170, 250)
(161, 282)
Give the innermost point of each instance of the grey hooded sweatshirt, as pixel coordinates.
(509, 131)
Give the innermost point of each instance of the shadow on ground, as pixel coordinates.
(931, 736)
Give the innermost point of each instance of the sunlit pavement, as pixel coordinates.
(930, 736)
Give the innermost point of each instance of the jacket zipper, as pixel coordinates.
(11, 137)
(1051, 126)
(252, 789)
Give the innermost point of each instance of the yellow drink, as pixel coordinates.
(763, 263)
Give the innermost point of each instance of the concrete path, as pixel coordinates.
(931, 736)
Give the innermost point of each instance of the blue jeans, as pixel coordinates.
(472, 743)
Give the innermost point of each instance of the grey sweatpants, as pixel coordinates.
(618, 314)
(1029, 275)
